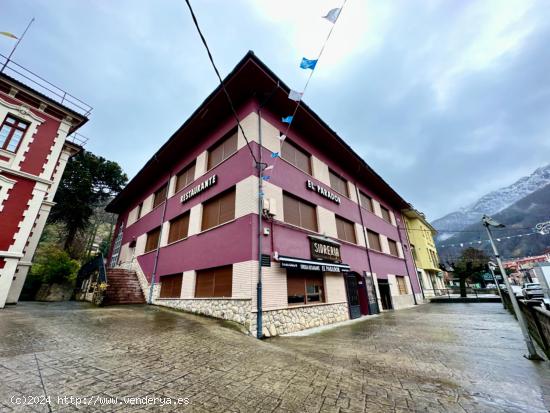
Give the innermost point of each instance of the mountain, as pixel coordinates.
(520, 218)
(491, 203)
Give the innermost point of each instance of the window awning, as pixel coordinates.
(311, 265)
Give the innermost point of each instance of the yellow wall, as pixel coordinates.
(421, 237)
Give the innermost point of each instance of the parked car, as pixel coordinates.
(532, 290)
(516, 289)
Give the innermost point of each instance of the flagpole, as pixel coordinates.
(16, 44)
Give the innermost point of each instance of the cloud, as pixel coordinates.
(446, 100)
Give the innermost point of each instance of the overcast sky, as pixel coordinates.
(446, 100)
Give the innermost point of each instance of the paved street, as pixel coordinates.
(436, 358)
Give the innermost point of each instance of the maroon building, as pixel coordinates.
(36, 120)
(325, 243)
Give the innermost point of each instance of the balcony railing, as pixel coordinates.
(77, 139)
(41, 85)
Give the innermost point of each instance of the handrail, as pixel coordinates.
(95, 264)
(18, 72)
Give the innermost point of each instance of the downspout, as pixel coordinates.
(154, 274)
(365, 238)
(260, 166)
(406, 262)
(410, 249)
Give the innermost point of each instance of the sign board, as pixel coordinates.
(312, 267)
(324, 250)
(199, 188)
(312, 186)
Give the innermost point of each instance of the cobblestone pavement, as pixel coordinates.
(435, 358)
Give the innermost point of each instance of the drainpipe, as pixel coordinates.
(366, 241)
(154, 274)
(260, 166)
(406, 263)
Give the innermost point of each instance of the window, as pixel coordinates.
(214, 282)
(185, 177)
(338, 184)
(366, 201)
(152, 240)
(296, 156)
(299, 213)
(385, 213)
(401, 285)
(138, 212)
(374, 240)
(223, 149)
(160, 196)
(170, 286)
(393, 247)
(11, 132)
(218, 210)
(413, 251)
(345, 230)
(305, 288)
(179, 227)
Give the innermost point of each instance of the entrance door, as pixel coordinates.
(385, 294)
(353, 295)
(371, 295)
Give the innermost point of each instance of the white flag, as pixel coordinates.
(332, 15)
(267, 168)
(295, 96)
(282, 137)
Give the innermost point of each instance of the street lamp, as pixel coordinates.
(492, 266)
(487, 223)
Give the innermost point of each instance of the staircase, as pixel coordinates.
(124, 287)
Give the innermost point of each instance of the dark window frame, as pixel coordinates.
(185, 171)
(374, 233)
(148, 246)
(312, 279)
(386, 217)
(203, 278)
(296, 150)
(345, 223)
(157, 200)
(302, 205)
(233, 134)
(232, 192)
(172, 227)
(15, 125)
(170, 286)
(392, 243)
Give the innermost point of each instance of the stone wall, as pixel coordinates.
(228, 309)
(402, 301)
(289, 320)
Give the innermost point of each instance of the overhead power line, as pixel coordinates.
(235, 115)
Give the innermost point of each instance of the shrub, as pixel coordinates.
(54, 266)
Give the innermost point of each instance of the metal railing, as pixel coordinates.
(41, 85)
(95, 265)
(77, 139)
(454, 292)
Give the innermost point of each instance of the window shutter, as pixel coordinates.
(366, 201)
(210, 212)
(185, 177)
(291, 210)
(223, 280)
(215, 156)
(308, 217)
(170, 286)
(374, 240)
(385, 213)
(179, 228)
(291, 153)
(227, 207)
(205, 284)
(338, 184)
(393, 247)
(160, 196)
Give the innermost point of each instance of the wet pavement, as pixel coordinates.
(433, 358)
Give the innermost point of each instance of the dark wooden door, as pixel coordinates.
(385, 295)
(353, 295)
(371, 295)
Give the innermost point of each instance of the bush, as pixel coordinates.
(54, 266)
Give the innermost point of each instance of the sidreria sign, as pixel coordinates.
(199, 188)
(322, 191)
(326, 250)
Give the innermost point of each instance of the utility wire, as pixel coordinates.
(220, 79)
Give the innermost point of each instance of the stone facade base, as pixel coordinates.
(289, 320)
(402, 301)
(239, 311)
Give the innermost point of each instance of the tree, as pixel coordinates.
(88, 181)
(471, 264)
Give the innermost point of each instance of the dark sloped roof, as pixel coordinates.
(252, 78)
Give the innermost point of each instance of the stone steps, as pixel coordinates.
(124, 288)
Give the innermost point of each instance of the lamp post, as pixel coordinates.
(492, 266)
(487, 223)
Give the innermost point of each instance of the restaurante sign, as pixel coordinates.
(199, 188)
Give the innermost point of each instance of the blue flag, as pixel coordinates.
(287, 119)
(266, 177)
(308, 64)
(274, 154)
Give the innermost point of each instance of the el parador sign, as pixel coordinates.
(199, 188)
(323, 191)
